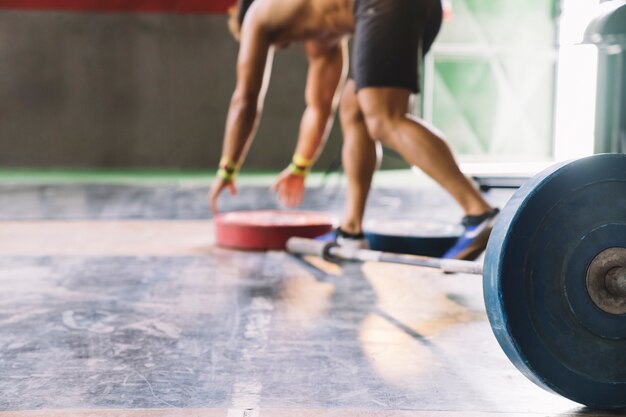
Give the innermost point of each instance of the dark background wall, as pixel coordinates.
(113, 89)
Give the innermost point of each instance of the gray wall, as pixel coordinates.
(92, 90)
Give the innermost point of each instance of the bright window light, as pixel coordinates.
(576, 83)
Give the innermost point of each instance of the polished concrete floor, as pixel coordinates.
(115, 302)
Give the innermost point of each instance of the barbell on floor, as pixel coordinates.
(554, 278)
(613, 281)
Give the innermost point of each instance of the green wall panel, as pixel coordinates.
(491, 79)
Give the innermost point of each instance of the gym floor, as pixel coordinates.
(115, 302)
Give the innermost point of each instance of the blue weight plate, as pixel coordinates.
(412, 236)
(535, 280)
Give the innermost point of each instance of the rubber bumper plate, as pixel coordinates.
(543, 253)
(416, 237)
(268, 229)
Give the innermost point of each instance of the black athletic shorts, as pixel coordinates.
(390, 38)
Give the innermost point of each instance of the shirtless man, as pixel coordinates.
(388, 36)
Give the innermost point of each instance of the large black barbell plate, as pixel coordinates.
(563, 225)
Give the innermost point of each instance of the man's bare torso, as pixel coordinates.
(326, 21)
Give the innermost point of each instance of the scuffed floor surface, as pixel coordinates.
(147, 318)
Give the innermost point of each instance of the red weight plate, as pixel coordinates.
(268, 229)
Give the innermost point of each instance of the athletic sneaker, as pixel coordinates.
(474, 239)
(345, 239)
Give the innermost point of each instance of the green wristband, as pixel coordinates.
(226, 175)
(298, 170)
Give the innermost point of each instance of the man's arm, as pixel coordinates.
(326, 75)
(247, 100)
(253, 69)
(327, 72)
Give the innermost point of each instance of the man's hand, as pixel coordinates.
(290, 188)
(218, 186)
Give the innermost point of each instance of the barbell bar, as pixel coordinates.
(334, 252)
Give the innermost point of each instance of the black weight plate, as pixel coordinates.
(535, 280)
(414, 236)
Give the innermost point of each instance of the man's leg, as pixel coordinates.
(386, 116)
(387, 38)
(359, 159)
